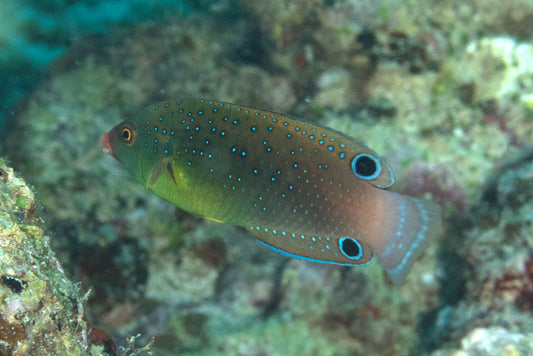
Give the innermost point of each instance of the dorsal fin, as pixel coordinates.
(384, 177)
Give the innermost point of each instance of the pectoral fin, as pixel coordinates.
(159, 167)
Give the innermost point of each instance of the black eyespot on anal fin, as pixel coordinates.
(350, 248)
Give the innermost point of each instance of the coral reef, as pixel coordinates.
(496, 254)
(442, 90)
(492, 341)
(41, 310)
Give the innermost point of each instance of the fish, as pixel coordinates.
(302, 189)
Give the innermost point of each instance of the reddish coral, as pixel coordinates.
(212, 252)
(101, 338)
(524, 300)
(437, 181)
(10, 335)
(3, 175)
(300, 61)
(514, 287)
(495, 116)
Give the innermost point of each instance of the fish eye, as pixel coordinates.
(350, 248)
(366, 166)
(128, 135)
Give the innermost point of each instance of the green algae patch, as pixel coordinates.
(22, 201)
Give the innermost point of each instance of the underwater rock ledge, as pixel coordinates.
(41, 310)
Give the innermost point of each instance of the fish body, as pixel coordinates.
(300, 188)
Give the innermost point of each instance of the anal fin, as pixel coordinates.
(310, 247)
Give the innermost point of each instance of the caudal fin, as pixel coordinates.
(410, 227)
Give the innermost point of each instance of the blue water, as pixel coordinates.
(34, 33)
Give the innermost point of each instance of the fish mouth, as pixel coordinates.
(106, 142)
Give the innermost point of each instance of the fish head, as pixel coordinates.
(122, 142)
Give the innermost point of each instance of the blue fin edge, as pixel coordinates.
(312, 259)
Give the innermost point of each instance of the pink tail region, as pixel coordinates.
(409, 228)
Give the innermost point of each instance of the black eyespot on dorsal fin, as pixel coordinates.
(366, 167)
(370, 167)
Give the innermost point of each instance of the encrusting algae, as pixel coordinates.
(41, 310)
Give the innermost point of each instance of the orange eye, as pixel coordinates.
(128, 135)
